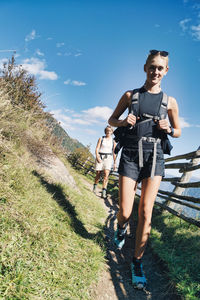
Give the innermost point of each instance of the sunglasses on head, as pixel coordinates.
(162, 53)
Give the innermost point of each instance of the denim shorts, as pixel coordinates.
(129, 164)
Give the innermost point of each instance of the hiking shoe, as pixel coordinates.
(94, 188)
(119, 237)
(138, 278)
(103, 195)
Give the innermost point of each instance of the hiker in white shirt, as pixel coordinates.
(104, 159)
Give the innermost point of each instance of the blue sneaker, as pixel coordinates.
(119, 238)
(138, 278)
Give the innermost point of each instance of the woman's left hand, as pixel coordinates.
(164, 125)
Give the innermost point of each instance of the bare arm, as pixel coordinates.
(122, 105)
(114, 155)
(97, 150)
(173, 114)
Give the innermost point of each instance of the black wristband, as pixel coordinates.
(172, 131)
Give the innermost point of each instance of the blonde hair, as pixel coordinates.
(152, 55)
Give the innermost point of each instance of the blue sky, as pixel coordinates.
(86, 54)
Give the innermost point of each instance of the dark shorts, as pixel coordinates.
(129, 164)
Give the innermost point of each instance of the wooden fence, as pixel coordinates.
(165, 199)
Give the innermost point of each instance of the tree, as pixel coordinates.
(81, 155)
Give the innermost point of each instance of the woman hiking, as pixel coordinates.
(144, 143)
(104, 159)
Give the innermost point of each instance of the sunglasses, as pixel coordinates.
(162, 53)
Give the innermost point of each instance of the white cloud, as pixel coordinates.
(51, 75)
(196, 32)
(8, 50)
(86, 126)
(77, 54)
(86, 118)
(184, 123)
(38, 52)
(98, 112)
(65, 121)
(30, 36)
(75, 115)
(71, 111)
(74, 82)
(58, 45)
(67, 54)
(3, 61)
(81, 122)
(184, 24)
(78, 83)
(37, 67)
(91, 131)
(67, 81)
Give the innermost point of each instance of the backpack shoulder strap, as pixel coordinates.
(112, 144)
(134, 108)
(101, 141)
(163, 106)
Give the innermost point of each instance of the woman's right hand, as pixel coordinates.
(98, 159)
(130, 120)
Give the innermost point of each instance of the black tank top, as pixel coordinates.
(148, 104)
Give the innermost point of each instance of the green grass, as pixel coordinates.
(51, 235)
(52, 244)
(177, 243)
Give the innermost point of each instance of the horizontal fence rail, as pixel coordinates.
(165, 199)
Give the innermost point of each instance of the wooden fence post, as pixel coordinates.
(87, 159)
(184, 178)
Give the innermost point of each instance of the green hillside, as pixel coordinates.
(51, 239)
(66, 141)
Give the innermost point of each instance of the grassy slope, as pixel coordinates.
(51, 235)
(47, 250)
(177, 243)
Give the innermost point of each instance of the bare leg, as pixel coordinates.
(127, 189)
(105, 178)
(98, 174)
(148, 195)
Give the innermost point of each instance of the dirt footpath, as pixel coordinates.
(115, 282)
